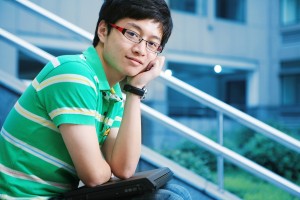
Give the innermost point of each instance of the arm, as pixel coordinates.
(82, 144)
(122, 148)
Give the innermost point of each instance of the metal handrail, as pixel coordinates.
(54, 18)
(230, 111)
(181, 129)
(217, 149)
(17, 86)
(181, 87)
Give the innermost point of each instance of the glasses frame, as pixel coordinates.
(123, 31)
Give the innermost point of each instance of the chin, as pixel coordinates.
(133, 72)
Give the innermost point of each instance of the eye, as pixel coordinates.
(153, 45)
(132, 35)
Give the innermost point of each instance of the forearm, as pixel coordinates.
(90, 165)
(96, 174)
(127, 147)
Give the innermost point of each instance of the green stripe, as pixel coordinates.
(32, 189)
(53, 173)
(33, 126)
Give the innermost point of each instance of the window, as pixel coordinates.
(203, 7)
(180, 105)
(231, 10)
(236, 93)
(228, 86)
(183, 5)
(290, 83)
(290, 90)
(28, 66)
(290, 12)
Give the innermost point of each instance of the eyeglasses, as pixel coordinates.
(136, 38)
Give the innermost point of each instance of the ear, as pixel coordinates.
(102, 31)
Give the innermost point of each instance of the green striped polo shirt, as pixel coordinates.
(73, 89)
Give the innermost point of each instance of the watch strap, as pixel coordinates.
(135, 90)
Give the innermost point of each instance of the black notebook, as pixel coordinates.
(140, 183)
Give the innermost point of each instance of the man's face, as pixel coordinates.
(126, 57)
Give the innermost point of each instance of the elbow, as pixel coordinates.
(124, 173)
(123, 168)
(96, 179)
(92, 183)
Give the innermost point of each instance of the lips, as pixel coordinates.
(134, 59)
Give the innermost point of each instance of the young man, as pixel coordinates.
(71, 123)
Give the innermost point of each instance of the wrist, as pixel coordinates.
(135, 84)
(141, 92)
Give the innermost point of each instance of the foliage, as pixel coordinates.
(251, 188)
(265, 151)
(273, 156)
(192, 157)
(236, 181)
(254, 146)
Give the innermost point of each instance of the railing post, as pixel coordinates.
(222, 109)
(220, 159)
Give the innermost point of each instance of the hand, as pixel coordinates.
(151, 71)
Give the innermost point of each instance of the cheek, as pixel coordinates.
(109, 57)
(149, 59)
(112, 52)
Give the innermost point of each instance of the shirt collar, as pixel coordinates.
(94, 61)
(92, 58)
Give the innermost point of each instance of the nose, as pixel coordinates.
(140, 47)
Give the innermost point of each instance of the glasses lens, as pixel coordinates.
(152, 46)
(133, 36)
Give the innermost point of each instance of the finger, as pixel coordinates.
(161, 60)
(158, 62)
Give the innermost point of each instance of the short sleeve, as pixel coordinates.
(69, 94)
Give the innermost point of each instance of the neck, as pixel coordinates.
(113, 76)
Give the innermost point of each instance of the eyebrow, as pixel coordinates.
(141, 30)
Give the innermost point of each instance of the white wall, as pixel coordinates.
(202, 40)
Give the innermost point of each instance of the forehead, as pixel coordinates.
(146, 27)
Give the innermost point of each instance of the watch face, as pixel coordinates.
(145, 92)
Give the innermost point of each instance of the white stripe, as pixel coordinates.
(82, 57)
(6, 197)
(99, 117)
(36, 152)
(96, 79)
(80, 111)
(35, 84)
(110, 122)
(35, 118)
(107, 121)
(117, 118)
(33, 178)
(55, 62)
(73, 78)
(66, 110)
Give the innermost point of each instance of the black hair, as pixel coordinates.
(114, 10)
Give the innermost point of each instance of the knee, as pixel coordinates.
(179, 190)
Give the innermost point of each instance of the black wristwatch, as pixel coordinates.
(134, 90)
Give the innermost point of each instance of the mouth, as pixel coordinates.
(134, 60)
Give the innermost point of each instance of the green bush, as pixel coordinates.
(259, 149)
(254, 146)
(193, 158)
(273, 156)
(249, 187)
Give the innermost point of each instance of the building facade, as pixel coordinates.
(243, 52)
